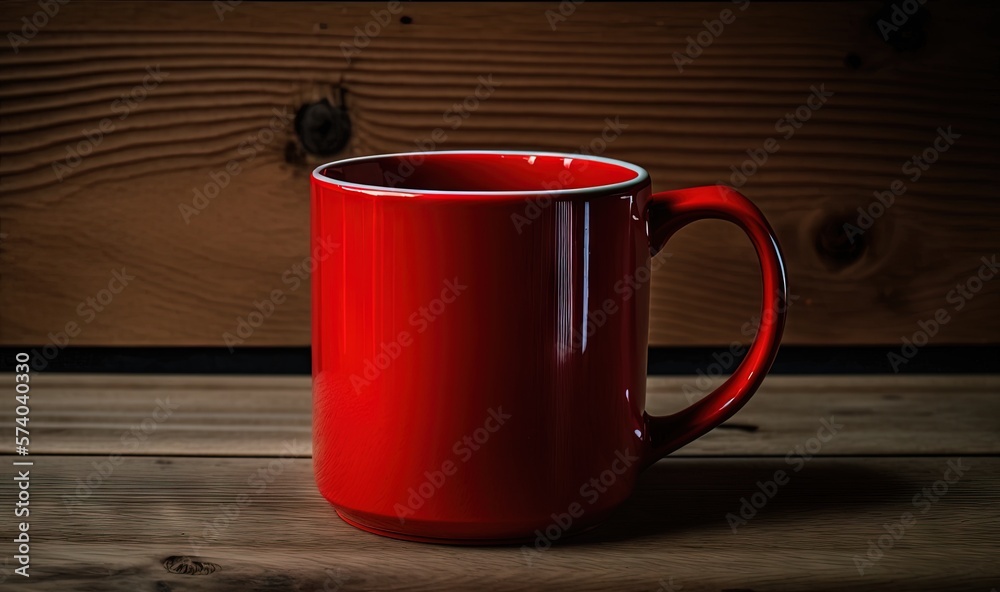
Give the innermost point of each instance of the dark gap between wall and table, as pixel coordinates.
(794, 359)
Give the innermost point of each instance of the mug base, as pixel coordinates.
(361, 524)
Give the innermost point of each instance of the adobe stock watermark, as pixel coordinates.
(335, 580)
(534, 205)
(724, 362)
(598, 316)
(455, 116)
(914, 168)
(901, 13)
(565, 10)
(713, 29)
(590, 492)
(224, 7)
(787, 126)
(130, 442)
(123, 106)
(668, 585)
(363, 36)
(257, 483)
(87, 310)
(420, 321)
(463, 449)
(922, 501)
(928, 328)
(220, 179)
(31, 26)
(292, 278)
(796, 458)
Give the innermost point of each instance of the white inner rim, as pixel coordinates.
(640, 173)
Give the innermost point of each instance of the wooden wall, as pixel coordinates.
(223, 79)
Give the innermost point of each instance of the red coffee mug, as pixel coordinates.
(480, 331)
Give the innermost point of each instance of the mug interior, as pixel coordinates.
(482, 172)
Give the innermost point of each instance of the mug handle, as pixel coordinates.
(668, 212)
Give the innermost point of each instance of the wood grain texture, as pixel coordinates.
(224, 79)
(153, 511)
(265, 416)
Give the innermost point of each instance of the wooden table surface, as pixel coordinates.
(218, 495)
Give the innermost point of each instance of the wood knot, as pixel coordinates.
(840, 241)
(323, 129)
(189, 566)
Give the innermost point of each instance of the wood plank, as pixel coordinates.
(260, 416)
(119, 208)
(673, 531)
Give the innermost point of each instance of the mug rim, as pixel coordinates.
(641, 175)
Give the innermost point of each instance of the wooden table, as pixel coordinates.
(218, 495)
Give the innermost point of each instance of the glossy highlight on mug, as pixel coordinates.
(544, 334)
